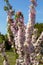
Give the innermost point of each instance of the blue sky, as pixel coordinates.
(23, 6)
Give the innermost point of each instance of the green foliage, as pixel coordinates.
(40, 28)
(2, 38)
(6, 0)
(41, 44)
(11, 58)
(6, 8)
(7, 45)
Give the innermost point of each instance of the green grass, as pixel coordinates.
(11, 57)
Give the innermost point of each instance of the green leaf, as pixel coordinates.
(6, 8)
(6, 0)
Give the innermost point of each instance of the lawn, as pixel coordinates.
(12, 58)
